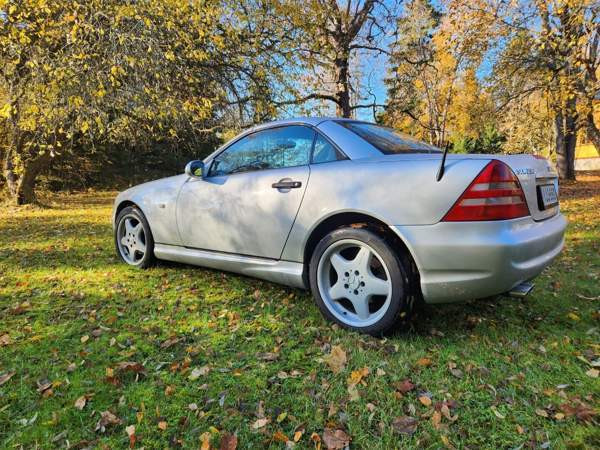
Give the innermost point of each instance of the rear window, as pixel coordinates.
(387, 140)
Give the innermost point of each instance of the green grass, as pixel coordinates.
(61, 282)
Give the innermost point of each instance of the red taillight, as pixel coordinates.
(495, 194)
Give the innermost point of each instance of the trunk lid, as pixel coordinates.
(532, 172)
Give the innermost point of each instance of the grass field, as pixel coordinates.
(95, 354)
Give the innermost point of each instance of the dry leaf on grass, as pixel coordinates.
(425, 400)
(357, 375)
(336, 439)
(107, 419)
(130, 366)
(404, 386)
(259, 423)
(5, 340)
(130, 430)
(336, 359)
(80, 402)
(5, 377)
(405, 424)
(424, 362)
(228, 441)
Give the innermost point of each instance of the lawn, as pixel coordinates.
(95, 354)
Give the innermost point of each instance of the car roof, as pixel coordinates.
(314, 121)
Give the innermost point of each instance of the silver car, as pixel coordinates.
(369, 219)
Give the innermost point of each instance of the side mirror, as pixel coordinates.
(195, 169)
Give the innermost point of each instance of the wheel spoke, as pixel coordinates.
(362, 260)
(339, 263)
(337, 291)
(138, 231)
(128, 226)
(376, 286)
(124, 242)
(140, 247)
(361, 306)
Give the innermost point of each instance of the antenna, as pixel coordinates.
(440, 173)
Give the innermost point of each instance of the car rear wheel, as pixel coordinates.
(133, 238)
(360, 282)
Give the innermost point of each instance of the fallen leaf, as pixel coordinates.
(541, 412)
(260, 423)
(130, 366)
(281, 417)
(84, 339)
(357, 375)
(457, 373)
(280, 436)
(404, 386)
(380, 372)
(354, 395)
(228, 441)
(593, 373)
(297, 435)
(436, 420)
(107, 419)
(162, 425)
(5, 340)
(424, 362)
(581, 411)
(205, 439)
(425, 400)
(170, 342)
(130, 430)
(335, 439)
(5, 377)
(198, 372)
(445, 410)
(497, 413)
(80, 402)
(336, 359)
(269, 356)
(405, 424)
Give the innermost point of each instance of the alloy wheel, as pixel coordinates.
(354, 282)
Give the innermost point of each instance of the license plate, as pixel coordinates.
(548, 194)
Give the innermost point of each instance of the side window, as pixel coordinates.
(325, 151)
(268, 149)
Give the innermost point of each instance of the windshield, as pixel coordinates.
(387, 140)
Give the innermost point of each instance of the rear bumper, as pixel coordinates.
(468, 260)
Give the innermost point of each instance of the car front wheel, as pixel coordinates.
(359, 281)
(133, 238)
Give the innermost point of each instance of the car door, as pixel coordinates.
(248, 201)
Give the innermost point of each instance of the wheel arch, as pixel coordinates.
(122, 205)
(357, 219)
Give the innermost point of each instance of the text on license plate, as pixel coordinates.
(549, 197)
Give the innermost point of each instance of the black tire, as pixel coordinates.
(148, 258)
(400, 270)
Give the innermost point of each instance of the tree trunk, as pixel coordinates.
(22, 188)
(9, 173)
(566, 139)
(342, 79)
(592, 131)
(26, 186)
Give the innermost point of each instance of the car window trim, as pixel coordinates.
(299, 124)
(335, 146)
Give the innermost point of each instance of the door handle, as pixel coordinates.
(286, 184)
